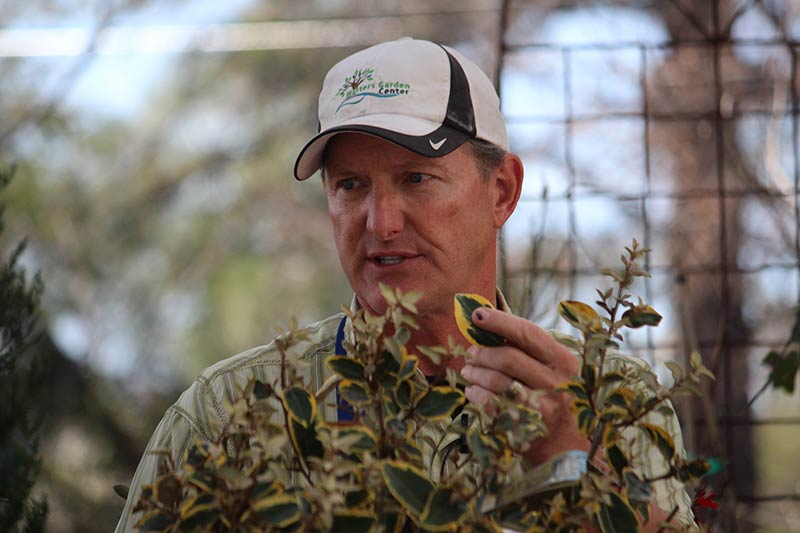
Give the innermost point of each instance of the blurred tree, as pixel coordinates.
(20, 414)
(709, 231)
(174, 236)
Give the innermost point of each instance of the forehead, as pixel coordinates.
(353, 151)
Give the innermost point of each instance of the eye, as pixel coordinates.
(348, 184)
(418, 177)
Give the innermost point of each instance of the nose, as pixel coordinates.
(385, 215)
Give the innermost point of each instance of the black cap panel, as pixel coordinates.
(460, 113)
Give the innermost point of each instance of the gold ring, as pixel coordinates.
(515, 390)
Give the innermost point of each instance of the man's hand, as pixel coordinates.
(532, 357)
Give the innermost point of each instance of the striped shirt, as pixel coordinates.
(200, 413)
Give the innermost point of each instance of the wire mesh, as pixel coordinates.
(723, 221)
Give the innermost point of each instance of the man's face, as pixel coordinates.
(409, 221)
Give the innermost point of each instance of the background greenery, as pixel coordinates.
(154, 187)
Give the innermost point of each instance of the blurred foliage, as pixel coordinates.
(175, 236)
(172, 236)
(20, 412)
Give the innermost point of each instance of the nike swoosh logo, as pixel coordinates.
(438, 145)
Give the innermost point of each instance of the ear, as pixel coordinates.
(507, 183)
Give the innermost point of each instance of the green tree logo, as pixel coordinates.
(352, 83)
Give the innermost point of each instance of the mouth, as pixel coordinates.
(390, 259)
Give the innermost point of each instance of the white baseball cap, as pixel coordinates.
(423, 96)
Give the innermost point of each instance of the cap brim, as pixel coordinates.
(440, 141)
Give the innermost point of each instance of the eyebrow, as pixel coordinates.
(428, 164)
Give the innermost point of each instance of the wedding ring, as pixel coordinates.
(514, 391)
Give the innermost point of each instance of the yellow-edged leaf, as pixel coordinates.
(408, 485)
(300, 404)
(661, 438)
(463, 307)
(641, 315)
(580, 315)
(279, 510)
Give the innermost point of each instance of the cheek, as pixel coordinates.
(345, 236)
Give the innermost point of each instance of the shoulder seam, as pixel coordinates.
(180, 411)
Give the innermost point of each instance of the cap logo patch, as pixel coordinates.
(362, 84)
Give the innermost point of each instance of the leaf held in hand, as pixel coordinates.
(464, 305)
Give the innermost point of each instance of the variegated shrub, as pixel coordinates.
(279, 466)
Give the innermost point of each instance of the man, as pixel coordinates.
(414, 157)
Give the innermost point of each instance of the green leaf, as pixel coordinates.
(352, 521)
(408, 485)
(432, 354)
(261, 390)
(398, 427)
(439, 403)
(464, 305)
(661, 438)
(386, 365)
(617, 517)
(199, 512)
(410, 452)
(305, 439)
(576, 388)
(395, 348)
(234, 479)
(263, 489)
(403, 394)
(363, 439)
(783, 369)
(568, 341)
(356, 498)
(204, 481)
(665, 411)
(589, 376)
(693, 470)
(617, 276)
(154, 521)
(279, 510)
(407, 368)
(675, 369)
(638, 489)
(388, 293)
(617, 459)
(585, 416)
(196, 455)
(611, 378)
(482, 447)
(167, 490)
(353, 391)
(580, 315)
(641, 315)
(347, 367)
(621, 396)
(443, 510)
(644, 509)
(300, 404)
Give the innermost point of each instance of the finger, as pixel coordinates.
(515, 364)
(530, 338)
(488, 379)
(549, 407)
(477, 394)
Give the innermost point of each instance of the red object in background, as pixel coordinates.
(705, 500)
